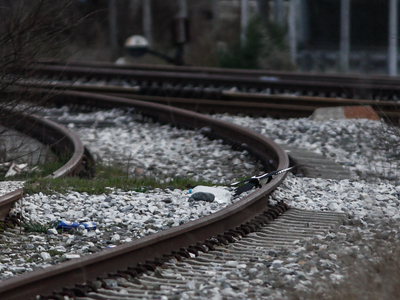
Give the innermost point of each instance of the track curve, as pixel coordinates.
(242, 212)
(86, 267)
(61, 141)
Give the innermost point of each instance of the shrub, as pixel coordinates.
(265, 48)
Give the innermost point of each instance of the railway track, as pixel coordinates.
(183, 276)
(59, 139)
(215, 91)
(234, 217)
(251, 104)
(271, 75)
(351, 87)
(89, 276)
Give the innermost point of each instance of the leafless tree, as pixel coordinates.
(30, 30)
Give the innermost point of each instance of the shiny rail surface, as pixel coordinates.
(242, 215)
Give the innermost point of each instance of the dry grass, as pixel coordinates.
(371, 270)
(377, 279)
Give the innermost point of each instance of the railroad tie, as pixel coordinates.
(314, 165)
(185, 276)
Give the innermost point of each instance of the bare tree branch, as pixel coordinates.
(30, 30)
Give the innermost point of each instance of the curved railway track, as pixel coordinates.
(243, 216)
(61, 141)
(194, 89)
(195, 277)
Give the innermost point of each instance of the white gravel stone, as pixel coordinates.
(8, 186)
(371, 199)
(71, 256)
(52, 231)
(231, 263)
(45, 256)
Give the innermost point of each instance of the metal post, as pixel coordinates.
(244, 20)
(147, 21)
(263, 9)
(112, 15)
(181, 33)
(182, 16)
(279, 8)
(392, 53)
(292, 20)
(183, 10)
(344, 35)
(216, 14)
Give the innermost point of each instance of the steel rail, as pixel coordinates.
(130, 254)
(363, 88)
(338, 78)
(270, 107)
(60, 140)
(57, 137)
(7, 200)
(252, 104)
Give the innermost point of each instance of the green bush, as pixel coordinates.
(245, 56)
(265, 47)
(106, 177)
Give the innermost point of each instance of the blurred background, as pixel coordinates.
(338, 36)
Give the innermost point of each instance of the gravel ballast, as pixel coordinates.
(7, 186)
(372, 204)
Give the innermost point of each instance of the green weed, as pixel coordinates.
(107, 178)
(34, 227)
(54, 252)
(2, 226)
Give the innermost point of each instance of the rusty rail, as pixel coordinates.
(289, 94)
(130, 254)
(252, 104)
(60, 140)
(7, 200)
(271, 74)
(363, 89)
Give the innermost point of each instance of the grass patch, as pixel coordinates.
(377, 278)
(33, 258)
(2, 227)
(34, 227)
(107, 177)
(54, 252)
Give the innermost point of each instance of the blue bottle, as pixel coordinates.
(65, 225)
(88, 225)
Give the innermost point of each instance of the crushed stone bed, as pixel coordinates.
(372, 205)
